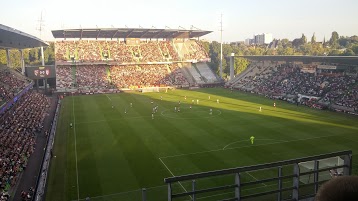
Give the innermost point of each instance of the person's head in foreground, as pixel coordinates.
(342, 188)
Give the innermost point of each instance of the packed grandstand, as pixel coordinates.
(100, 65)
(317, 85)
(20, 124)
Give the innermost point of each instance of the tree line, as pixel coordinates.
(335, 46)
(32, 56)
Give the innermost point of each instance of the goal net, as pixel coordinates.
(322, 176)
(150, 89)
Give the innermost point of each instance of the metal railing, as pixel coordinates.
(237, 186)
(46, 160)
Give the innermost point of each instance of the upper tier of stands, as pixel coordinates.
(121, 52)
(11, 83)
(306, 84)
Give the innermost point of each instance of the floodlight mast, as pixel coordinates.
(221, 46)
(40, 29)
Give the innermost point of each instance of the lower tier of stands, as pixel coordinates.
(127, 76)
(336, 89)
(18, 129)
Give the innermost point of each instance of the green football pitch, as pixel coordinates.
(115, 149)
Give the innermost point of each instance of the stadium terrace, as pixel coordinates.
(140, 114)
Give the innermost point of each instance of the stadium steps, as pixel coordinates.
(189, 49)
(109, 51)
(100, 51)
(256, 73)
(133, 51)
(195, 74)
(161, 52)
(206, 72)
(21, 76)
(67, 58)
(197, 70)
(76, 54)
(108, 71)
(170, 74)
(241, 75)
(187, 74)
(180, 48)
(252, 70)
(73, 68)
(176, 50)
(166, 46)
(168, 69)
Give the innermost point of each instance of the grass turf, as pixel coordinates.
(111, 153)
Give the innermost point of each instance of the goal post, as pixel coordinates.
(149, 89)
(155, 89)
(324, 163)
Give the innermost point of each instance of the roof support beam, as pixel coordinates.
(161, 31)
(114, 34)
(174, 35)
(99, 31)
(129, 33)
(144, 33)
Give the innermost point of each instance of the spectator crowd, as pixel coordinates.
(10, 84)
(195, 51)
(18, 129)
(123, 76)
(92, 77)
(119, 51)
(139, 76)
(319, 89)
(138, 59)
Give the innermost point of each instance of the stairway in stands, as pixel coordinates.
(206, 72)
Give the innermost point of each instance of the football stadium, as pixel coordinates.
(139, 114)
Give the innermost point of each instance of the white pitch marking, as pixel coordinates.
(211, 116)
(235, 143)
(74, 130)
(255, 140)
(214, 150)
(108, 97)
(254, 177)
(174, 176)
(98, 121)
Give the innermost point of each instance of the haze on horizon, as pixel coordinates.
(241, 18)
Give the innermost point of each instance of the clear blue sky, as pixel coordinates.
(241, 18)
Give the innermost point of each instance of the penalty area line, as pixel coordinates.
(255, 140)
(255, 178)
(108, 97)
(215, 150)
(174, 176)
